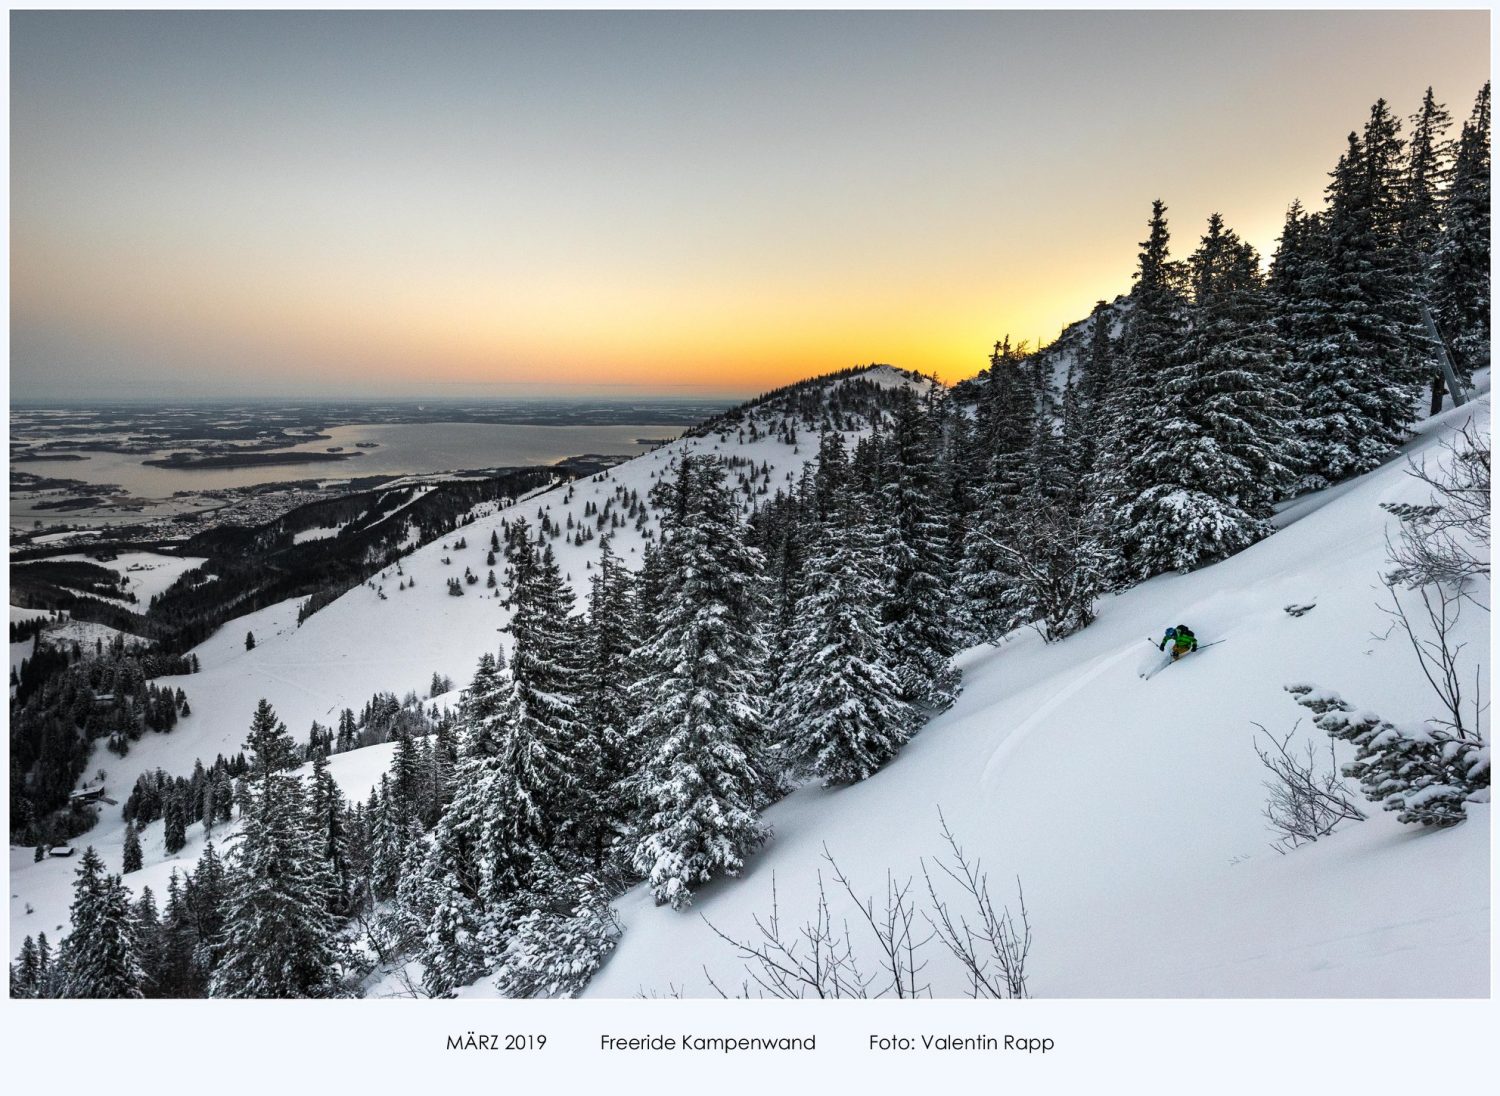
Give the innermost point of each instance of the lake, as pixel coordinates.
(400, 449)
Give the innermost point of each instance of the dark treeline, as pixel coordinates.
(56, 710)
(60, 584)
(264, 565)
(249, 568)
(804, 630)
(65, 700)
(384, 718)
(22, 630)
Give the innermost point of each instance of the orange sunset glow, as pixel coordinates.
(517, 203)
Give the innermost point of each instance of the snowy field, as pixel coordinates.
(146, 574)
(42, 891)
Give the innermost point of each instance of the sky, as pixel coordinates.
(617, 203)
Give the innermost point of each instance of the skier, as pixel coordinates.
(1182, 640)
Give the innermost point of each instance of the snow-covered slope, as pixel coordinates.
(379, 638)
(1129, 809)
(42, 891)
(146, 574)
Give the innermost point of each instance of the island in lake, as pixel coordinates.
(244, 460)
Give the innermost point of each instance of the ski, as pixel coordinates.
(1149, 674)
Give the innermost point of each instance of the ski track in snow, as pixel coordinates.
(1055, 700)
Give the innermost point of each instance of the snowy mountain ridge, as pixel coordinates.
(378, 637)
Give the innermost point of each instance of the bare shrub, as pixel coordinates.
(820, 958)
(1304, 801)
(992, 950)
(814, 960)
(1446, 540)
(1441, 655)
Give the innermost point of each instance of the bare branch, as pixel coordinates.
(1303, 803)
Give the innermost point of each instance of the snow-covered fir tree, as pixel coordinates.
(542, 735)
(840, 709)
(25, 972)
(101, 955)
(174, 824)
(326, 813)
(702, 727)
(447, 896)
(1218, 457)
(1460, 278)
(278, 937)
(1055, 561)
(1004, 427)
(1429, 169)
(1429, 172)
(180, 973)
(1359, 352)
(206, 893)
(1131, 449)
(131, 857)
(608, 707)
(390, 835)
(148, 941)
(919, 609)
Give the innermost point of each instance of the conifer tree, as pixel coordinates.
(1360, 352)
(278, 938)
(344, 741)
(1290, 283)
(1131, 453)
(840, 708)
(702, 725)
(206, 895)
(174, 824)
(1006, 418)
(919, 618)
(1428, 172)
(607, 706)
(543, 740)
(100, 956)
(480, 709)
(25, 975)
(1056, 561)
(46, 970)
(1460, 282)
(148, 940)
(781, 531)
(390, 836)
(272, 748)
(326, 815)
(1219, 458)
(1398, 220)
(132, 855)
(406, 780)
(179, 973)
(448, 896)
(1098, 369)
